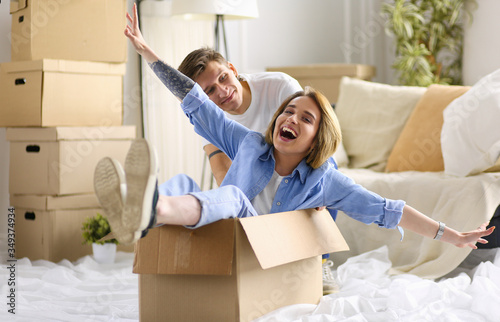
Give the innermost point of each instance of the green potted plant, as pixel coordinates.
(94, 229)
(429, 39)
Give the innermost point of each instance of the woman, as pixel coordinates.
(285, 170)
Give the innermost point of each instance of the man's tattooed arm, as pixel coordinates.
(178, 83)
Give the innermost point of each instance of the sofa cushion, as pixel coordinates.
(470, 137)
(419, 145)
(372, 115)
(340, 156)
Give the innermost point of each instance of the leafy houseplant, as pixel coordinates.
(429, 40)
(95, 228)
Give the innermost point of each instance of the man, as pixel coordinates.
(249, 99)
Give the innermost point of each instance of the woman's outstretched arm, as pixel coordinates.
(417, 222)
(176, 82)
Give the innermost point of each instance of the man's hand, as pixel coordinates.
(134, 34)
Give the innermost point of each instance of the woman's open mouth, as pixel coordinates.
(288, 134)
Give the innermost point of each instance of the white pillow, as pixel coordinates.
(372, 116)
(470, 138)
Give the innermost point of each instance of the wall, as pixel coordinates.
(296, 32)
(482, 43)
(291, 32)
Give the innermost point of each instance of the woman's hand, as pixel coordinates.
(134, 34)
(469, 239)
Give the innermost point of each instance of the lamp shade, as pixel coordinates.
(207, 9)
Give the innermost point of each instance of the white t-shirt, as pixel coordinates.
(269, 90)
(264, 200)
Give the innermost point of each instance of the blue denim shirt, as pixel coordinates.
(253, 166)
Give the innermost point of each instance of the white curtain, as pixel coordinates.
(365, 40)
(165, 126)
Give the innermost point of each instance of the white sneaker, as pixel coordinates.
(329, 284)
(139, 211)
(110, 189)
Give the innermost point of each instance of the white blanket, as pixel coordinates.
(87, 291)
(369, 294)
(461, 203)
(80, 291)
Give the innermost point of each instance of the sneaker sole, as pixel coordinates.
(141, 174)
(109, 178)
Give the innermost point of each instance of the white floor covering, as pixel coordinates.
(87, 291)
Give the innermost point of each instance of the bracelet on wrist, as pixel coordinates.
(214, 153)
(440, 231)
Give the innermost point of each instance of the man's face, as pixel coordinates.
(219, 82)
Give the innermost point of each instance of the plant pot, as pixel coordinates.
(104, 254)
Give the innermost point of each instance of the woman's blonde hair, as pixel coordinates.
(328, 136)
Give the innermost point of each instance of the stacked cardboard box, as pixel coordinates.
(62, 104)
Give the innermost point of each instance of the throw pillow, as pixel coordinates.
(470, 137)
(372, 115)
(418, 147)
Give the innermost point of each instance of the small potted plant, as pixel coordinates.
(93, 230)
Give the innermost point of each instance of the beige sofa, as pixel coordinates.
(392, 137)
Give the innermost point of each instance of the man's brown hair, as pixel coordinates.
(196, 62)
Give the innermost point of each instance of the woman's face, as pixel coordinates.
(296, 128)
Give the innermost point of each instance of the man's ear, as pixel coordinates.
(231, 67)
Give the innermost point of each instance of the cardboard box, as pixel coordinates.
(234, 269)
(326, 77)
(43, 202)
(90, 30)
(62, 160)
(49, 227)
(61, 93)
(46, 231)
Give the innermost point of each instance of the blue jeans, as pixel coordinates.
(221, 203)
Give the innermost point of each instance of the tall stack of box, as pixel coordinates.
(62, 104)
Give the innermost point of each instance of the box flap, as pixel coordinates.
(44, 202)
(71, 133)
(285, 237)
(64, 66)
(16, 5)
(208, 250)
